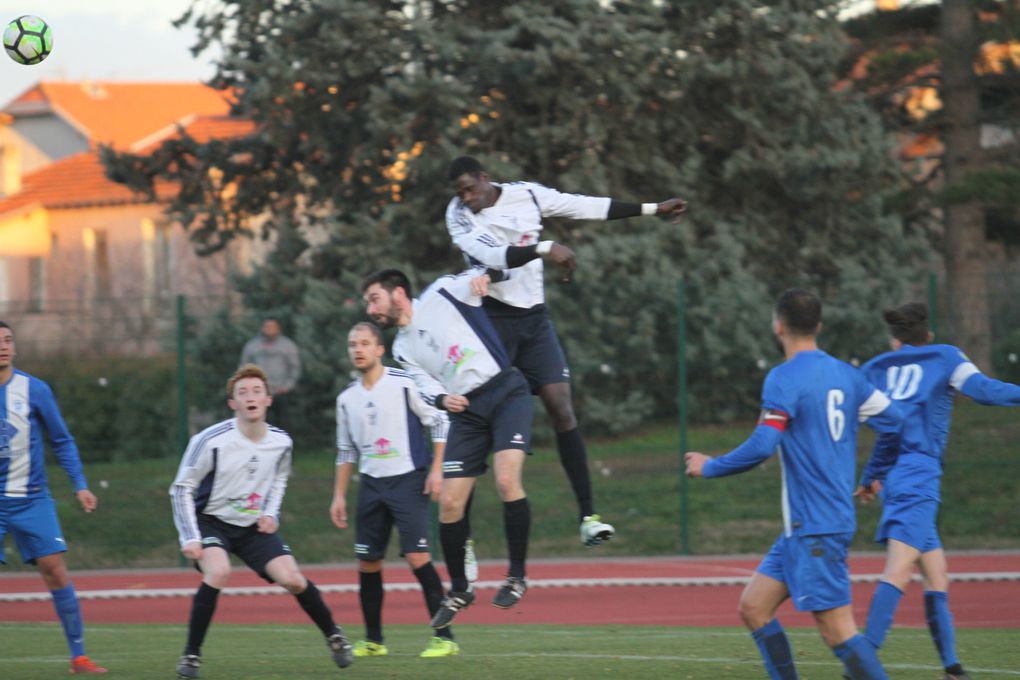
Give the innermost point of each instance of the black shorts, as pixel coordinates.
(254, 548)
(497, 418)
(531, 343)
(385, 501)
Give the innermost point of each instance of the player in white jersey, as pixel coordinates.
(226, 499)
(448, 345)
(29, 415)
(379, 419)
(499, 226)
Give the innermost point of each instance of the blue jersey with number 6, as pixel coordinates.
(812, 406)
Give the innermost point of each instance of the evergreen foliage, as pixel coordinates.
(361, 104)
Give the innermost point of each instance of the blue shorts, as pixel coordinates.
(385, 501)
(813, 568)
(910, 520)
(497, 418)
(34, 525)
(255, 548)
(531, 343)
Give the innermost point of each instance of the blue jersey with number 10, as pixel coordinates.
(812, 406)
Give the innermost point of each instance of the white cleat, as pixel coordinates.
(594, 531)
(470, 561)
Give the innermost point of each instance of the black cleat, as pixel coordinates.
(451, 604)
(187, 666)
(512, 590)
(340, 646)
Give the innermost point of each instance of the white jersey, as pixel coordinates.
(515, 219)
(450, 346)
(232, 478)
(381, 428)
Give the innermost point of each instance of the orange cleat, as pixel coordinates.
(83, 664)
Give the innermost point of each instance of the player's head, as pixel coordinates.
(6, 345)
(365, 346)
(248, 393)
(908, 324)
(798, 313)
(387, 293)
(471, 183)
(270, 328)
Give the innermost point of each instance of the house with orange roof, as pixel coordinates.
(70, 238)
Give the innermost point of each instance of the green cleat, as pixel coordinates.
(369, 648)
(440, 647)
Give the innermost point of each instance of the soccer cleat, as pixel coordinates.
(343, 653)
(594, 531)
(83, 664)
(512, 590)
(369, 648)
(470, 561)
(187, 666)
(962, 675)
(440, 647)
(451, 604)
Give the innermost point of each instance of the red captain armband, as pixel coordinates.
(773, 418)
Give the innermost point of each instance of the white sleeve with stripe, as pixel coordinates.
(475, 240)
(346, 449)
(274, 499)
(195, 465)
(553, 203)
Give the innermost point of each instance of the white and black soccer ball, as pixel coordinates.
(28, 40)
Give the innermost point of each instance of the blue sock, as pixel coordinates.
(69, 613)
(880, 615)
(940, 623)
(775, 651)
(860, 658)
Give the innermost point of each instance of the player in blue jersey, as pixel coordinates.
(379, 419)
(811, 407)
(925, 379)
(29, 414)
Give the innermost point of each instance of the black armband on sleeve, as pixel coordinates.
(440, 398)
(521, 255)
(618, 210)
(496, 275)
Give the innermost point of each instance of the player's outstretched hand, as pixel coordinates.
(267, 524)
(695, 462)
(868, 493)
(192, 550)
(433, 484)
(338, 513)
(87, 500)
(565, 258)
(672, 207)
(455, 403)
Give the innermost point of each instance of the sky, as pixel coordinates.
(106, 40)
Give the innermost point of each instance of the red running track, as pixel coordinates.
(975, 604)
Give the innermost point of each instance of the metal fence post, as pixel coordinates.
(933, 305)
(681, 361)
(182, 378)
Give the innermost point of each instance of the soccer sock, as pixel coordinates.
(775, 651)
(432, 589)
(453, 536)
(371, 595)
(940, 623)
(881, 612)
(311, 601)
(860, 658)
(517, 525)
(202, 608)
(65, 601)
(574, 459)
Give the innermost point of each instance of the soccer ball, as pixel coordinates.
(28, 40)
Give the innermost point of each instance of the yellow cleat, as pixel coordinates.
(369, 648)
(441, 647)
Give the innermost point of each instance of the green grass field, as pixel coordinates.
(237, 652)
(637, 484)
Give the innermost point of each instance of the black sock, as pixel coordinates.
(432, 589)
(371, 595)
(311, 601)
(452, 537)
(202, 608)
(574, 459)
(517, 525)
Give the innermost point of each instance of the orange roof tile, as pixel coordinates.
(74, 182)
(120, 113)
(201, 128)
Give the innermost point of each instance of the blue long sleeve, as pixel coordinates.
(991, 392)
(883, 457)
(64, 446)
(758, 447)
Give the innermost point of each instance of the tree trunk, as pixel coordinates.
(965, 250)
